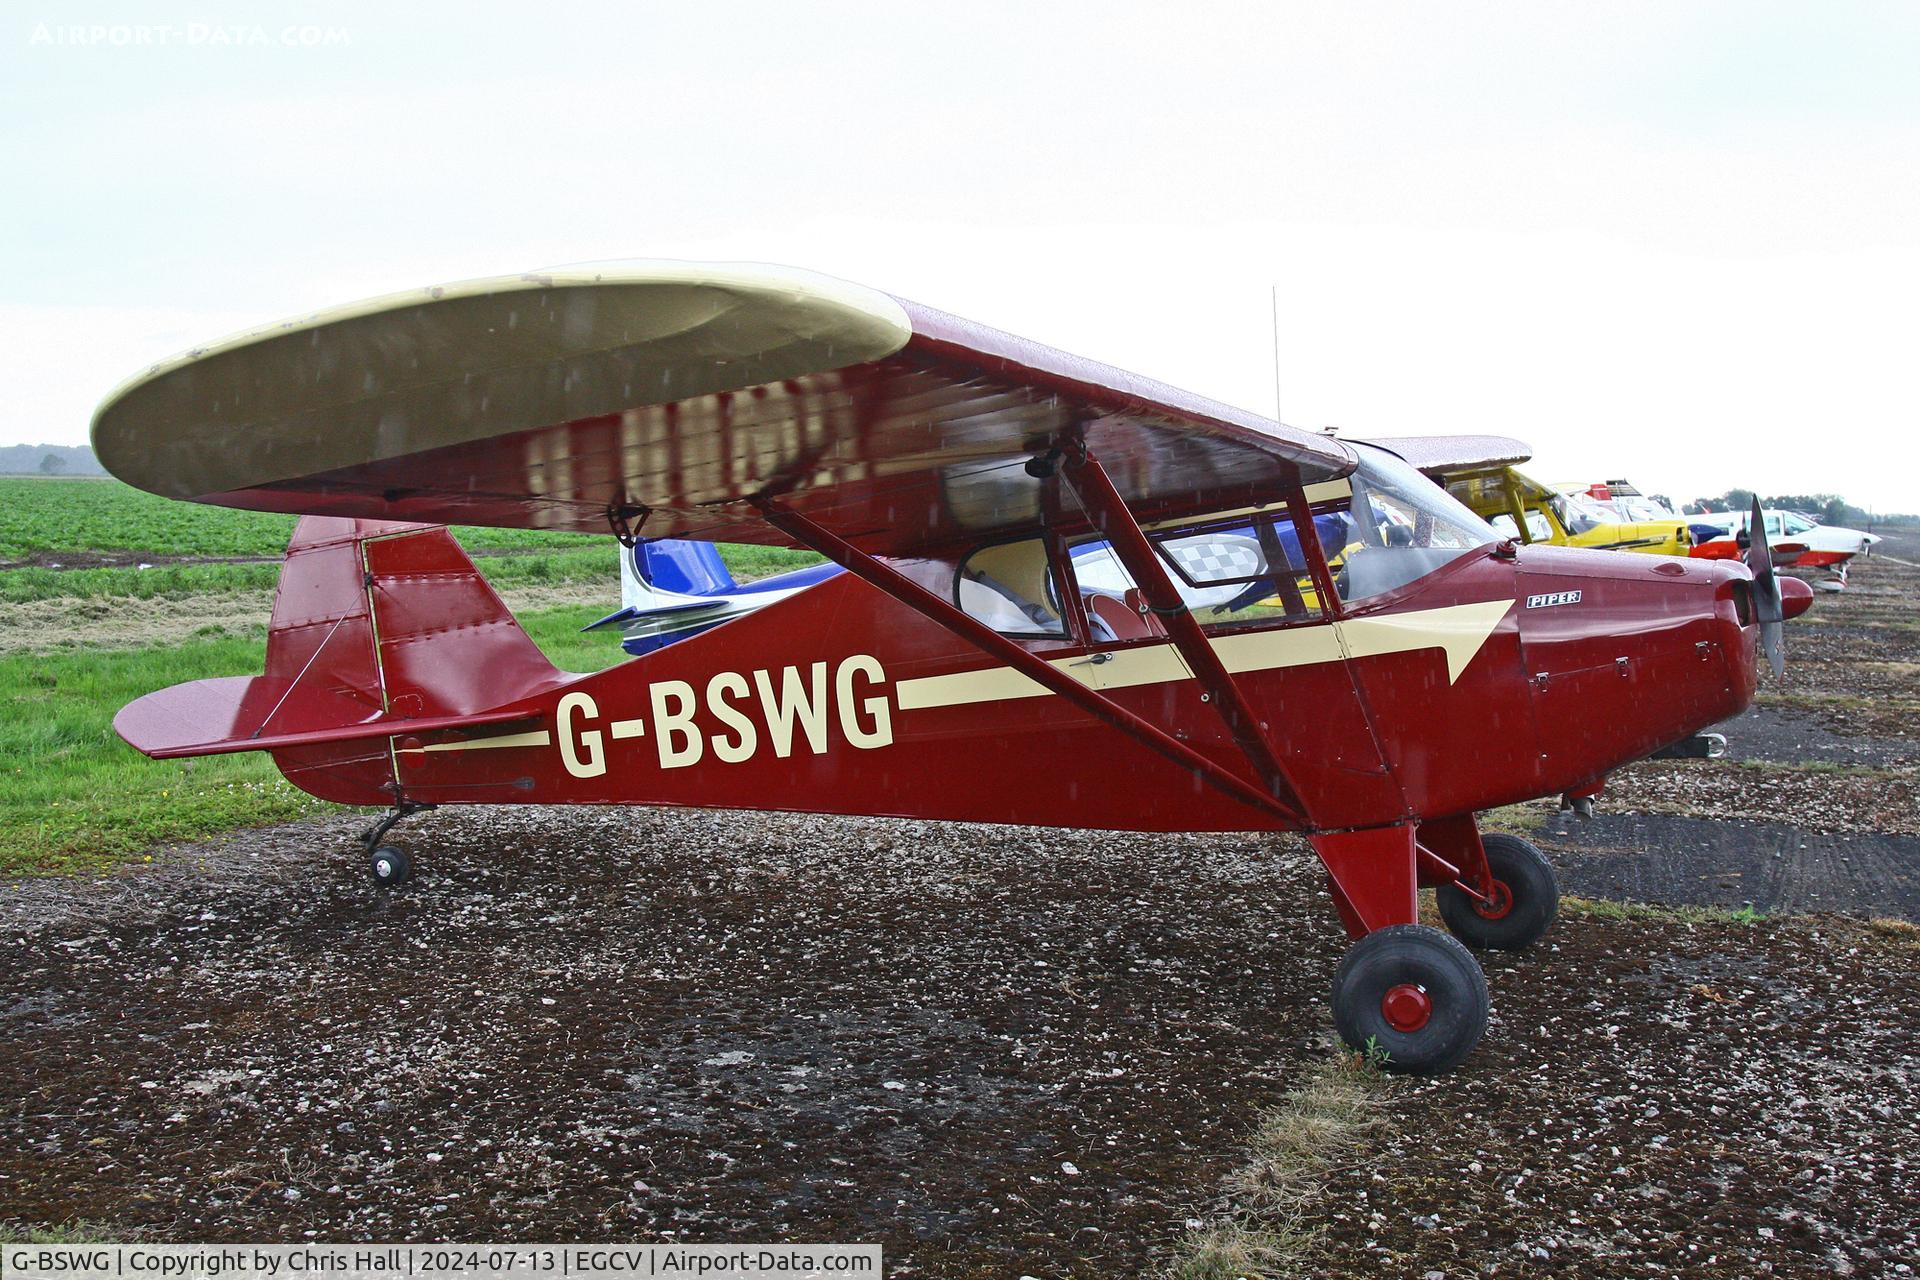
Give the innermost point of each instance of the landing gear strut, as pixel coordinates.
(389, 864)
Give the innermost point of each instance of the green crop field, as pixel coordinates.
(80, 517)
(77, 644)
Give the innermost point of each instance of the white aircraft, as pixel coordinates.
(1628, 503)
(1818, 546)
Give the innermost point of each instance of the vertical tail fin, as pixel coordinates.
(395, 618)
(375, 625)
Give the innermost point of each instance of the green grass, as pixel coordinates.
(89, 515)
(557, 632)
(1577, 908)
(77, 798)
(1519, 819)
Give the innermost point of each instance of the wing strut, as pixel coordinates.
(1109, 512)
(947, 615)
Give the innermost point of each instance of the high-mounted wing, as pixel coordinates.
(676, 392)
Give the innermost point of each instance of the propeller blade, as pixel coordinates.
(1768, 608)
(1773, 641)
(1760, 558)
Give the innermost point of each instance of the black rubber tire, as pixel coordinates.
(1429, 959)
(389, 865)
(1530, 883)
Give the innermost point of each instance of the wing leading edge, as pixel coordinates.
(681, 392)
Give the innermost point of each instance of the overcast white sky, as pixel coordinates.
(1679, 242)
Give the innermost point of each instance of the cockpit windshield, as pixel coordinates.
(1400, 527)
(1580, 514)
(1634, 507)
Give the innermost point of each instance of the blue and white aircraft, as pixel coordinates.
(670, 590)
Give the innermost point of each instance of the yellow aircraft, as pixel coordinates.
(1527, 511)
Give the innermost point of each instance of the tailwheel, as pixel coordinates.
(389, 865)
(1413, 994)
(1523, 905)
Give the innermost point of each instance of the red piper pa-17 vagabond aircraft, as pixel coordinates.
(1074, 597)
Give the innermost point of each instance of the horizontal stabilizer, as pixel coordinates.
(613, 619)
(631, 612)
(264, 713)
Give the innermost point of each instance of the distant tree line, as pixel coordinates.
(1827, 508)
(49, 460)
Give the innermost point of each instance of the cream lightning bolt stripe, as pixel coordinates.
(540, 738)
(1458, 630)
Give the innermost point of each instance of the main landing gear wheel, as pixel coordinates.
(1414, 994)
(389, 865)
(1526, 898)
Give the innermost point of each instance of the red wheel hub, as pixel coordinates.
(1406, 1007)
(1497, 904)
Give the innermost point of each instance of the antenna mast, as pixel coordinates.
(1276, 354)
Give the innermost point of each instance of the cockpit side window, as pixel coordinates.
(1116, 611)
(1010, 587)
(1229, 570)
(1242, 571)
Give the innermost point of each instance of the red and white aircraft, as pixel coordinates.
(1796, 539)
(1284, 632)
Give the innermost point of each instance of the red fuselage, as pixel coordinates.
(1492, 680)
